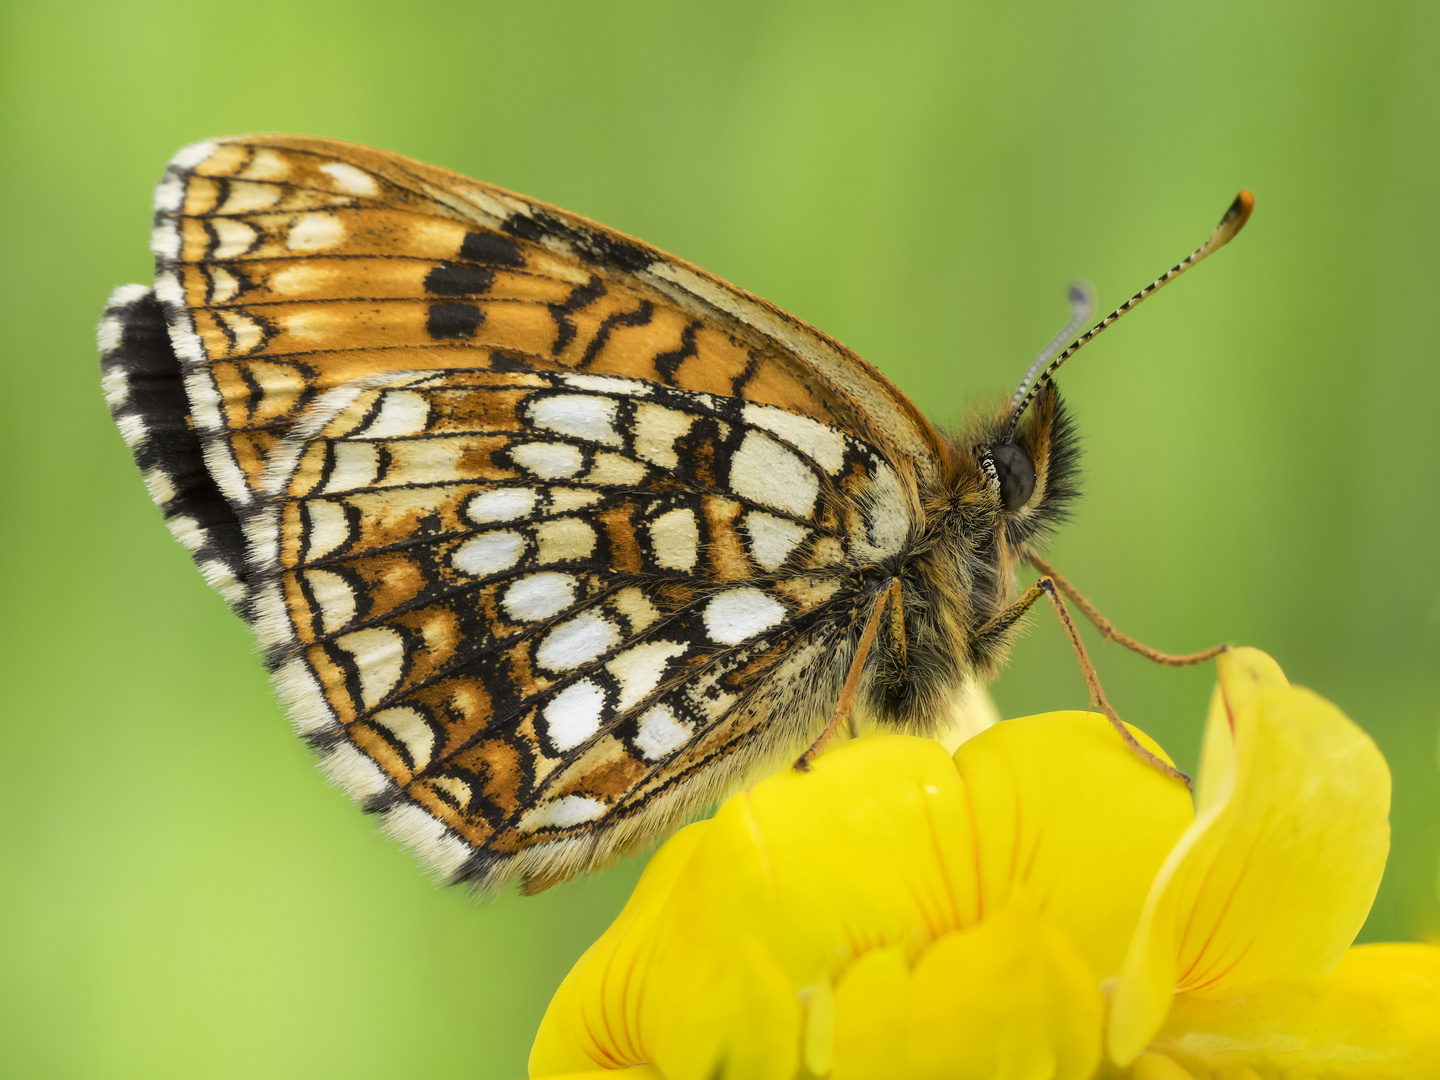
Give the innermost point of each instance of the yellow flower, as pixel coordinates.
(1042, 904)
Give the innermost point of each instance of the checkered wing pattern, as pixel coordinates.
(549, 536)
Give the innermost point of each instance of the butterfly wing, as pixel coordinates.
(534, 616)
(550, 535)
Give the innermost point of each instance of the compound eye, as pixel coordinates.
(1016, 473)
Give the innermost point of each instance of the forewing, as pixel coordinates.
(290, 266)
(534, 617)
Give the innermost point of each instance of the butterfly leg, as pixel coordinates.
(852, 679)
(1046, 587)
(1107, 628)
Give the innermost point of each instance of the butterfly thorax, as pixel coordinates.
(958, 572)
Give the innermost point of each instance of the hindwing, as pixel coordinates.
(528, 604)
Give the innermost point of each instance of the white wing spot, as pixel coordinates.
(297, 279)
(564, 813)
(133, 430)
(739, 614)
(771, 473)
(578, 415)
(563, 540)
(453, 786)
(357, 464)
(563, 500)
(315, 232)
(410, 728)
(249, 198)
(379, 654)
(333, 596)
(636, 608)
(889, 519)
(233, 238)
(402, 412)
(675, 539)
(349, 179)
(425, 461)
(573, 715)
(661, 734)
(247, 332)
(608, 384)
(328, 528)
(267, 164)
(502, 504)
(577, 642)
(772, 539)
(489, 553)
(639, 669)
(549, 461)
(656, 429)
(616, 471)
(824, 445)
(223, 285)
(205, 405)
(539, 596)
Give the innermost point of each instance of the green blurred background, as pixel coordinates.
(182, 896)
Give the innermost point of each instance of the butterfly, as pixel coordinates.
(550, 538)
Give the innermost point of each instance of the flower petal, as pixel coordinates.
(1240, 674)
(1010, 998)
(886, 841)
(872, 1017)
(870, 847)
(1071, 825)
(1376, 1016)
(735, 1018)
(594, 1019)
(1276, 875)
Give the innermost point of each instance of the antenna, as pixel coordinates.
(1082, 306)
(1233, 221)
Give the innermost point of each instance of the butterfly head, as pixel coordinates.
(1029, 474)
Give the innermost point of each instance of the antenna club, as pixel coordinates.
(1237, 215)
(1233, 221)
